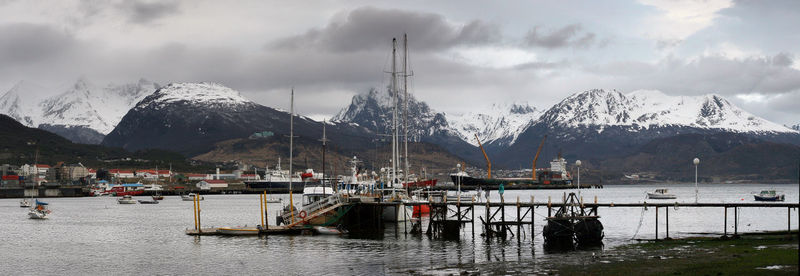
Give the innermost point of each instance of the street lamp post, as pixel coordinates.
(458, 166)
(578, 163)
(696, 162)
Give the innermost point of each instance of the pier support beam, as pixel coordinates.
(736, 221)
(725, 233)
(656, 222)
(667, 217)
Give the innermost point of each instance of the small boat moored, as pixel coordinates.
(126, 199)
(40, 211)
(190, 197)
(660, 194)
(769, 195)
(24, 203)
(145, 201)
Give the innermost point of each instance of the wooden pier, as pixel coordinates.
(446, 219)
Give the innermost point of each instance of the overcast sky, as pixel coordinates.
(465, 55)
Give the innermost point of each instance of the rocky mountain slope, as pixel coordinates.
(191, 117)
(373, 111)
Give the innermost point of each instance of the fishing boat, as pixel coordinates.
(126, 199)
(39, 211)
(190, 197)
(660, 194)
(769, 195)
(238, 231)
(150, 201)
(277, 180)
(274, 200)
(24, 203)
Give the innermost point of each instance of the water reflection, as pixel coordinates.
(84, 235)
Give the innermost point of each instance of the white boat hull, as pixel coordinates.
(391, 213)
(33, 214)
(660, 196)
(124, 201)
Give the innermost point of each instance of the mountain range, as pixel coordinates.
(82, 112)
(198, 119)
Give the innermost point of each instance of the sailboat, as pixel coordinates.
(394, 191)
(40, 211)
(321, 205)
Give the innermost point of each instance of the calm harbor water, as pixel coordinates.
(99, 236)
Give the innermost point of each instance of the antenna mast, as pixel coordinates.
(291, 147)
(395, 150)
(405, 106)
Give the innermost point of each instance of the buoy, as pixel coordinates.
(302, 214)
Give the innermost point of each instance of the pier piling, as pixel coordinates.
(725, 233)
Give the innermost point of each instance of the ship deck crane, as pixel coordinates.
(488, 163)
(537, 157)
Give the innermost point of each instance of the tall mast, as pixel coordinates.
(405, 106)
(324, 143)
(291, 147)
(394, 112)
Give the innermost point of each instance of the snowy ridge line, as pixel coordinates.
(82, 104)
(644, 109)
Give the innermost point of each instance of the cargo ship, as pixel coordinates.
(277, 181)
(554, 177)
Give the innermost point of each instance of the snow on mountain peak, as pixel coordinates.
(646, 108)
(80, 104)
(373, 110)
(501, 124)
(200, 93)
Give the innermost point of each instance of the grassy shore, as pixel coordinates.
(769, 254)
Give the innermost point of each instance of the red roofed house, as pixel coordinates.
(121, 173)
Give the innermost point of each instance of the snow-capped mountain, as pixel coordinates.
(83, 106)
(501, 125)
(191, 117)
(606, 123)
(642, 109)
(207, 94)
(22, 101)
(373, 111)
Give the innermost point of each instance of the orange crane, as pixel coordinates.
(537, 157)
(488, 163)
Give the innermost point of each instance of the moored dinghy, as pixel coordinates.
(660, 194)
(769, 195)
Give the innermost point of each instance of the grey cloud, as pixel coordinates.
(783, 59)
(146, 12)
(369, 29)
(717, 74)
(567, 36)
(25, 43)
(669, 43)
